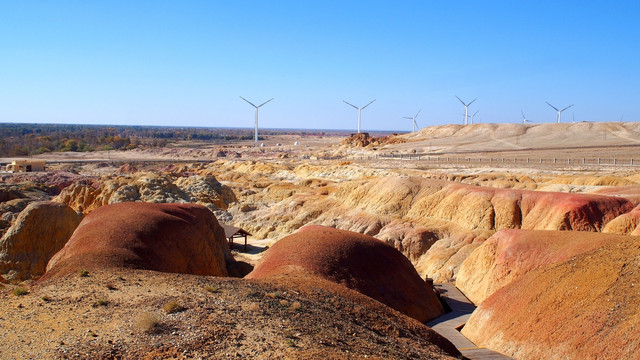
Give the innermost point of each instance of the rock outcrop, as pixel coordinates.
(582, 308)
(498, 209)
(148, 187)
(356, 261)
(175, 238)
(361, 140)
(628, 223)
(510, 254)
(40, 230)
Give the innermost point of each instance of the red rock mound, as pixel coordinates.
(357, 261)
(175, 238)
(509, 254)
(127, 169)
(583, 308)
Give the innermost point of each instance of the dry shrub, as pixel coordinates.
(20, 291)
(296, 306)
(147, 322)
(173, 307)
(100, 302)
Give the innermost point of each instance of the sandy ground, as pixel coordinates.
(254, 251)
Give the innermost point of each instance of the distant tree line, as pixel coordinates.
(33, 139)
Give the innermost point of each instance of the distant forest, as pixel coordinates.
(33, 139)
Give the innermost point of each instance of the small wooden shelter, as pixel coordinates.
(232, 232)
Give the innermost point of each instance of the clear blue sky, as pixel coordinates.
(186, 62)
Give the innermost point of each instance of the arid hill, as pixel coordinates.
(510, 254)
(359, 262)
(175, 238)
(495, 137)
(585, 307)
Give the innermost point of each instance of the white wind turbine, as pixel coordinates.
(257, 107)
(415, 124)
(524, 118)
(559, 111)
(472, 116)
(466, 110)
(359, 111)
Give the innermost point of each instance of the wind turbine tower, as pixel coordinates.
(559, 111)
(359, 111)
(255, 137)
(466, 110)
(415, 124)
(472, 116)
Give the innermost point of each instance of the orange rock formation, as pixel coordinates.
(510, 254)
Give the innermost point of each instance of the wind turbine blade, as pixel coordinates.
(368, 104)
(472, 102)
(522, 112)
(265, 102)
(566, 107)
(355, 107)
(250, 103)
(415, 123)
(415, 117)
(554, 108)
(460, 100)
(407, 117)
(474, 114)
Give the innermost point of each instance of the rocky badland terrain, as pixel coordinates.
(548, 254)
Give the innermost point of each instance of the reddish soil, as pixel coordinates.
(359, 262)
(510, 254)
(176, 238)
(583, 308)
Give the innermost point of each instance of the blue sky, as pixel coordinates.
(186, 62)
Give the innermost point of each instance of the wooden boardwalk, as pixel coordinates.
(449, 324)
